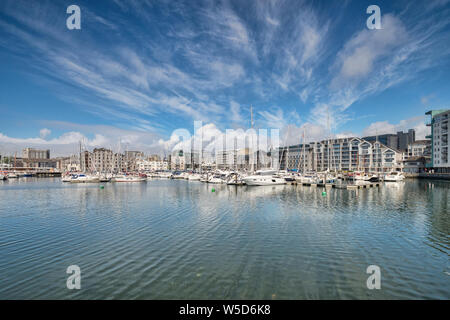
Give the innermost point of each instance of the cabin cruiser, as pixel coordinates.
(83, 178)
(217, 178)
(178, 175)
(194, 177)
(394, 177)
(306, 179)
(264, 178)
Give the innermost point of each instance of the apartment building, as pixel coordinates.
(439, 140)
(345, 154)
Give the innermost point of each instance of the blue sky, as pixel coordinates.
(138, 70)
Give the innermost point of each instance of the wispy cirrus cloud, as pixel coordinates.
(150, 66)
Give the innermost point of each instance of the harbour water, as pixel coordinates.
(175, 239)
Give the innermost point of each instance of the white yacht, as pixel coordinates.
(216, 178)
(306, 179)
(164, 175)
(264, 178)
(83, 178)
(194, 177)
(12, 175)
(394, 177)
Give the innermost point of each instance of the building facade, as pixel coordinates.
(345, 154)
(144, 165)
(420, 148)
(398, 141)
(439, 140)
(31, 153)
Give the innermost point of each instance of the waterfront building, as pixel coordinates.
(344, 154)
(71, 164)
(414, 164)
(398, 141)
(405, 139)
(35, 158)
(439, 140)
(419, 148)
(389, 140)
(226, 159)
(35, 154)
(151, 165)
(103, 160)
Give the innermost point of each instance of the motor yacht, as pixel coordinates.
(264, 178)
(394, 177)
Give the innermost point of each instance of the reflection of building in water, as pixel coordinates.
(345, 154)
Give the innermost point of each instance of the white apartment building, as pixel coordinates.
(419, 148)
(439, 140)
(345, 154)
(152, 165)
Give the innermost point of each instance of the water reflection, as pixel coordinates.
(179, 239)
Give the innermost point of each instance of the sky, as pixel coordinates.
(138, 71)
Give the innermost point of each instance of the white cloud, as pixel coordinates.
(383, 127)
(363, 51)
(43, 133)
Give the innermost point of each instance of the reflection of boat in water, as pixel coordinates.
(264, 178)
(394, 177)
(266, 191)
(128, 178)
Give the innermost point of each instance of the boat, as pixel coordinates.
(164, 174)
(12, 175)
(235, 179)
(306, 179)
(3, 176)
(66, 177)
(217, 179)
(104, 179)
(83, 178)
(264, 178)
(194, 177)
(178, 175)
(394, 177)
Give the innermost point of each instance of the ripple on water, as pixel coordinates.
(178, 240)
